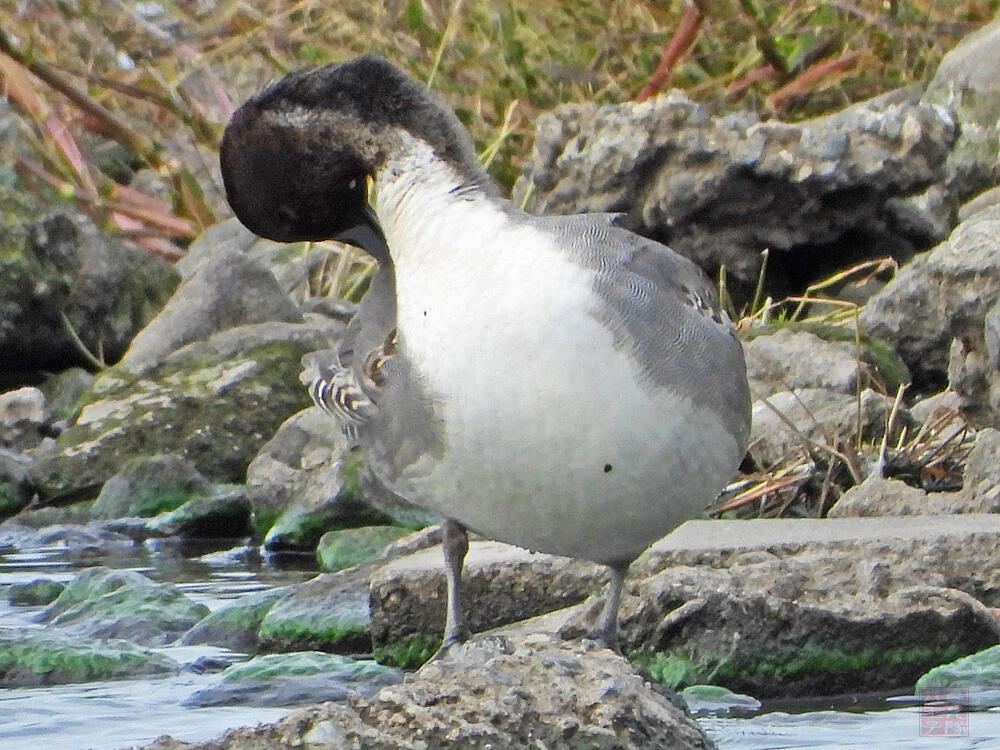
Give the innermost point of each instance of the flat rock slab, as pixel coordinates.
(492, 692)
(784, 536)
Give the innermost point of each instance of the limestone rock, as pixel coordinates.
(492, 692)
(503, 584)
(226, 291)
(939, 296)
(821, 192)
(966, 82)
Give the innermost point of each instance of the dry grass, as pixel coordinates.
(116, 84)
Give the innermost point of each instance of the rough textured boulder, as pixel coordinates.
(968, 82)
(328, 613)
(808, 355)
(227, 290)
(61, 279)
(517, 694)
(823, 193)
(215, 402)
(289, 263)
(942, 295)
(813, 606)
(305, 473)
(503, 584)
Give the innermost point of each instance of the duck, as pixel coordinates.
(558, 383)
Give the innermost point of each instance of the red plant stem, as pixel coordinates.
(809, 76)
(683, 38)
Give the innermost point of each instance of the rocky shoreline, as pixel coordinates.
(201, 430)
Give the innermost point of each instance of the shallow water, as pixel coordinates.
(125, 713)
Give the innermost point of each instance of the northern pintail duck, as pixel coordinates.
(555, 382)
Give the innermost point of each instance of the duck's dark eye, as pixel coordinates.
(352, 184)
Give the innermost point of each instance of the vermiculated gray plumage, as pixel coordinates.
(554, 382)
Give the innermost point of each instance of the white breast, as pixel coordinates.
(554, 442)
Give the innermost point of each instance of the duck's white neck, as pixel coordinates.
(424, 204)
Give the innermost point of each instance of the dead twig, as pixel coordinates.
(683, 38)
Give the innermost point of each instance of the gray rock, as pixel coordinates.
(38, 592)
(936, 406)
(787, 359)
(64, 389)
(105, 603)
(974, 368)
(24, 415)
(512, 693)
(981, 478)
(821, 192)
(14, 485)
(304, 482)
(63, 279)
(295, 679)
(149, 485)
(503, 584)
(789, 422)
(884, 497)
(966, 81)
(305, 475)
(939, 296)
(207, 403)
(227, 290)
(785, 607)
(976, 204)
(781, 642)
(289, 263)
(891, 497)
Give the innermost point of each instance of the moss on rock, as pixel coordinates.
(215, 413)
(31, 658)
(344, 548)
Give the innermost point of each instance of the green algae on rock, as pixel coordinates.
(34, 657)
(106, 603)
(300, 677)
(343, 548)
(215, 411)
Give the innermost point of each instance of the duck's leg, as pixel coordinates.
(605, 630)
(456, 544)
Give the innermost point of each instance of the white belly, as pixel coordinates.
(554, 443)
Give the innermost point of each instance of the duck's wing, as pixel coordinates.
(664, 312)
(346, 382)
